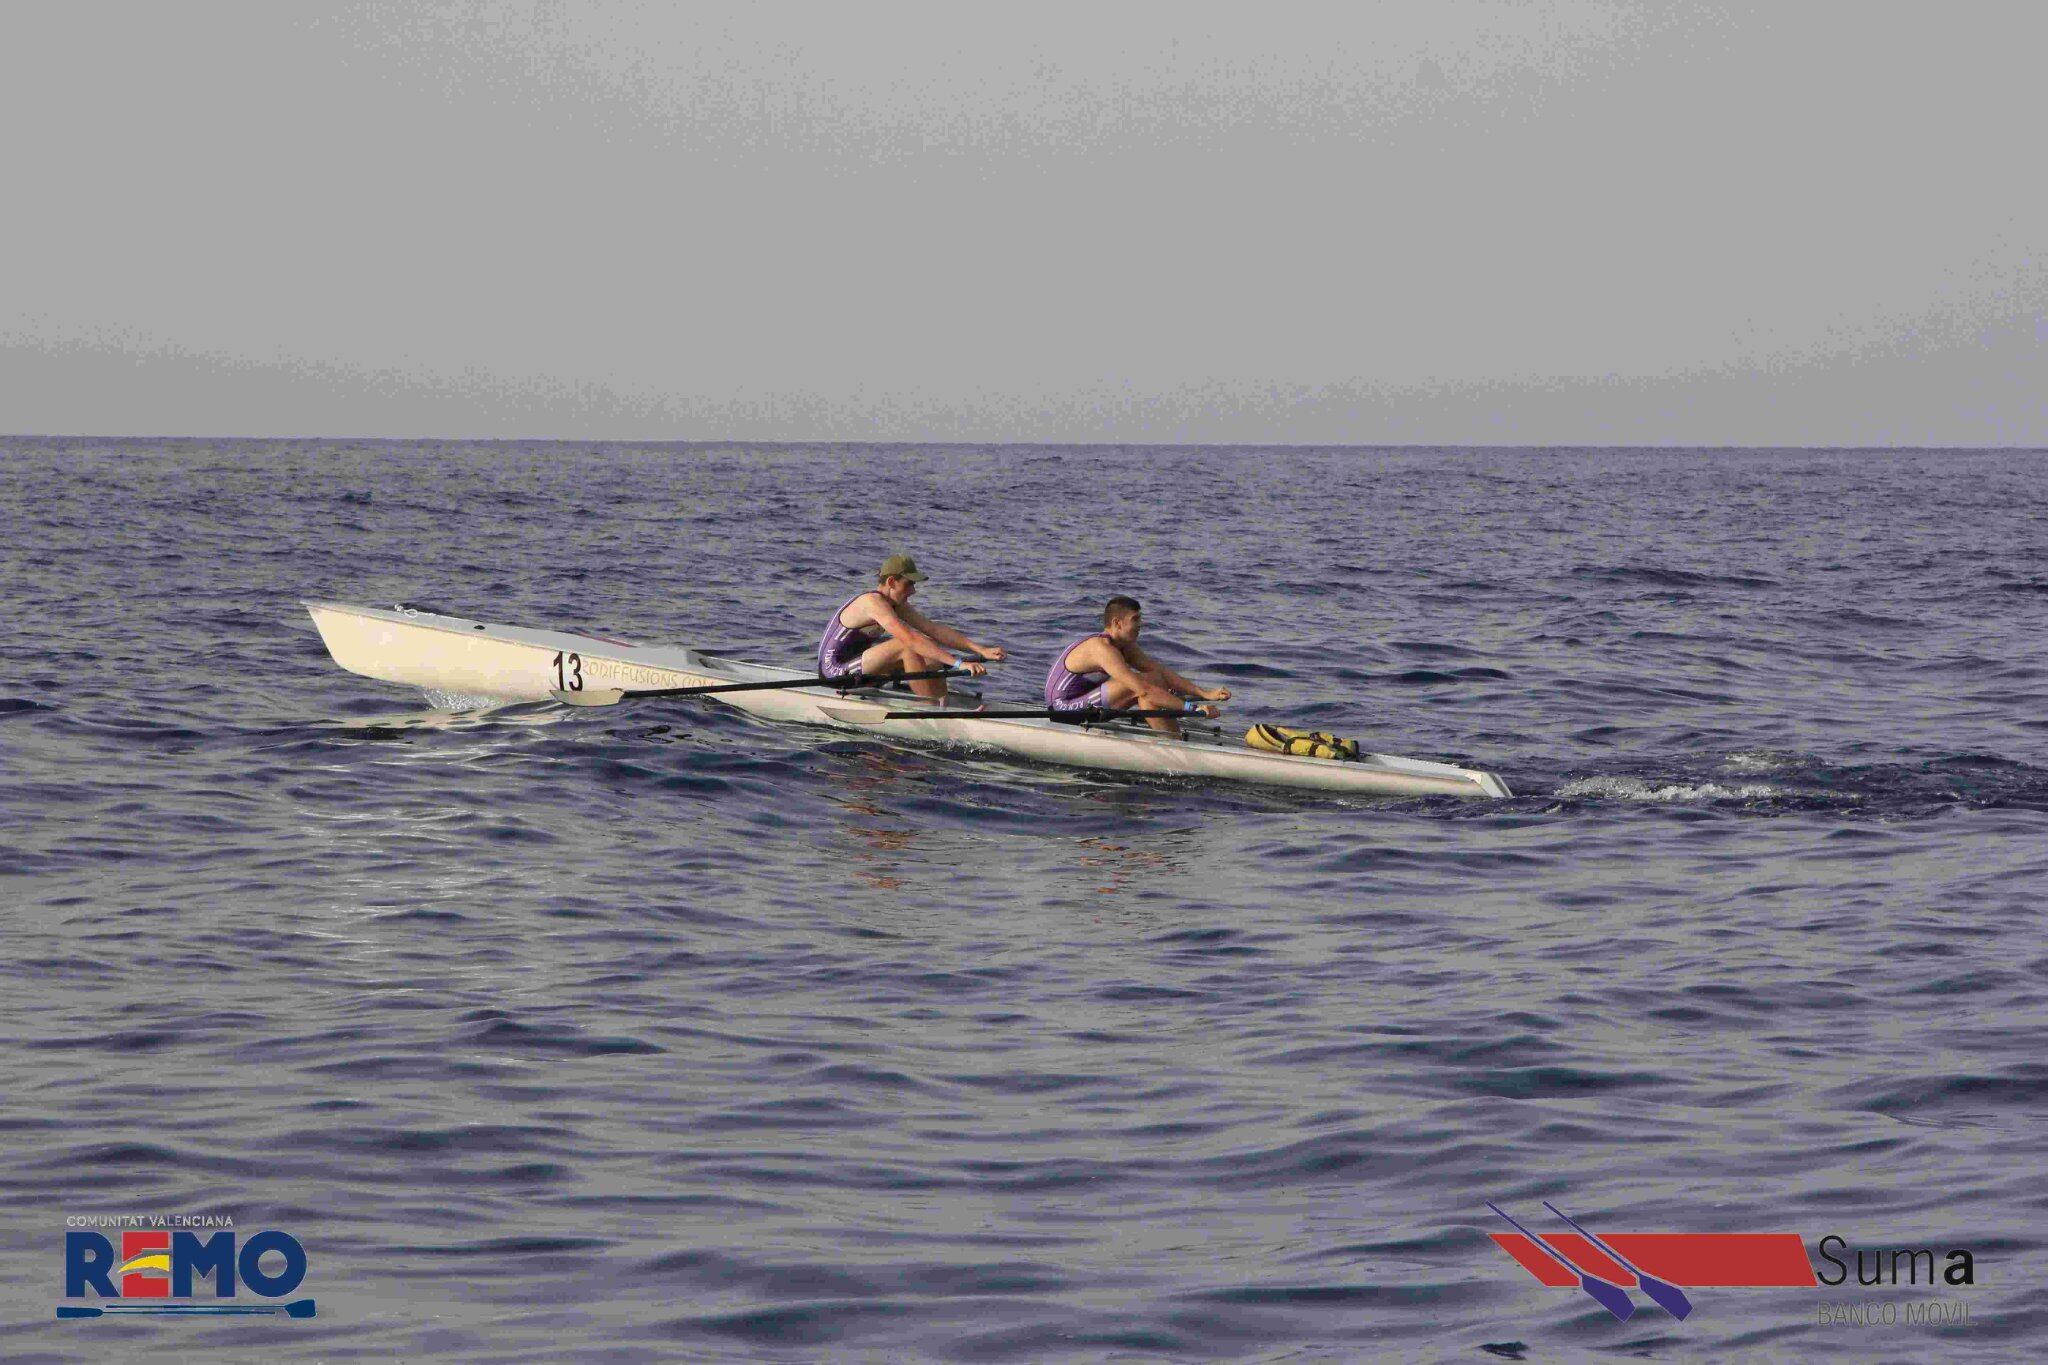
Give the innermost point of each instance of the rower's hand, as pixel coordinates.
(1208, 712)
(994, 654)
(1215, 694)
(972, 670)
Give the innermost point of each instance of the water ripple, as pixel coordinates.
(662, 1032)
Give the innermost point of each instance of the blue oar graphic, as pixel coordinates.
(1669, 1295)
(1612, 1297)
(297, 1308)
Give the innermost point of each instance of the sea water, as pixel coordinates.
(662, 1032)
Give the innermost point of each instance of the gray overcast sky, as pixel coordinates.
(1784, 222)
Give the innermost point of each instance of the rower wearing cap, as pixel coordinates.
(1107, 670)
(878, 634)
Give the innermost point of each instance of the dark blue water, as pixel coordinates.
(661, 1032)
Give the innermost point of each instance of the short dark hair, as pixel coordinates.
(1120, 606)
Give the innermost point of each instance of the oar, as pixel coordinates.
(297, 1308)
(1669, 1295)
(1092, 715)
(612, 696)
(1612, 1297)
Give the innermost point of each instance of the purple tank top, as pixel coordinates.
(1062, 686)
(843, 644)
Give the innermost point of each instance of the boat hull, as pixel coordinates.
(450, 654)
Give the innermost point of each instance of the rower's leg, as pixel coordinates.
(1159, 695)
(891, 657)
(1150, 697)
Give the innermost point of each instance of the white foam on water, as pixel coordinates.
(459, 701)
(1636, 789)
(1758, 761)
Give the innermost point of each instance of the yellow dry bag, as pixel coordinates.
(1301, 743)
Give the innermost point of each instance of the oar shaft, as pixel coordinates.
(1091, 716)
(844, 684)
(612, 696)
(1552, 1252)
(1607, 1250)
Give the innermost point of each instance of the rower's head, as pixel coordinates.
(898, 577)
(1121, 618)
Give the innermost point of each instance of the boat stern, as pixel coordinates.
(434, 653)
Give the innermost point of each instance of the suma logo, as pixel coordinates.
(1663, 1265)
(157, 1264)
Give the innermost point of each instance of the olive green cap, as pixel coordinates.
(900, 566)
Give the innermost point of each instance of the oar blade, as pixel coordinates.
(65, 1310)
(1612, 1297)
(299, 1308)
(590, 696)
(1669, 1297)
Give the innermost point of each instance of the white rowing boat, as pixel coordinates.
(449, 654)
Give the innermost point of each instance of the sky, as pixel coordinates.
(1811, 223)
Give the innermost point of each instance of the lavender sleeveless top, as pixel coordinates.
(839, 652)
(1064, 688)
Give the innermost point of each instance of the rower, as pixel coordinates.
(878, 634)
(1108, 670)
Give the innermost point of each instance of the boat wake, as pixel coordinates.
(1681, 793)
(1776, 780)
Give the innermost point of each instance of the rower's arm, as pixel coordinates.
(1176, 681)
(946, 635)
(904, 623)
(1101, 654)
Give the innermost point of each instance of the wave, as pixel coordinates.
(1668, 578)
